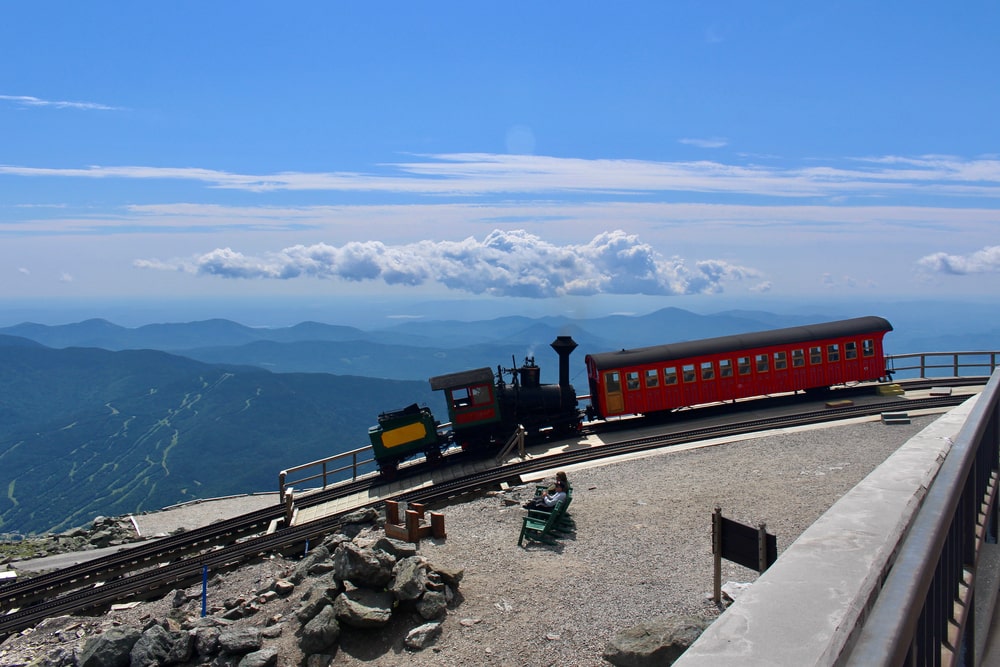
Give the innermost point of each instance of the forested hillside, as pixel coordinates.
(85, 431)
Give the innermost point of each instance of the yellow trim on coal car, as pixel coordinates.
(403, 435)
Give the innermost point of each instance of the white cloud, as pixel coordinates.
(471, 174)
(511, 263)
(28, 101)
(986, 260)
(714, 142)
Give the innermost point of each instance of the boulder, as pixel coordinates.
(266, 657)
(109, 649)
(409, 578)
(396, 548)
(432, 605)
(239, 641)
(362, 567)
(657, 642)
(320, 633)
(206, 641)
(317, 555)
(422, 636)
(364, 608)
(152, 647)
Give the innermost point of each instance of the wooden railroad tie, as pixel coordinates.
(413, 527)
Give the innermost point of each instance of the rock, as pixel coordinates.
(240, 641)
(449, 575)
(309, 608)
(101, 538)
(422, 636)
(182, 648)
(398, 549)
(432, 605)
(266, 657)
(317, 555)
(657, 642)
(362, 567)
(109, 649)
(152, 647)
(364, 608)
(321, 632)
(365, 515)
(206, 641)
(409, 578)
(283, 587)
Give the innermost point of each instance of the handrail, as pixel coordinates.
(326, 472)
(923, 613)
(956, 362)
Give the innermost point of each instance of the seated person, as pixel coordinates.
(547, 501)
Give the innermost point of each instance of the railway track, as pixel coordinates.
(156, 567)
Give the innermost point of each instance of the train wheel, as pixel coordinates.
(433, 456)
(387, 469)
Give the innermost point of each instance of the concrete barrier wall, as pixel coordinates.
(809, 605)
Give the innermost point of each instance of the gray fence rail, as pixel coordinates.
(925, 610)
(942, 364)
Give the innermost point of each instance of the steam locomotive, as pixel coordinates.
(484, 411)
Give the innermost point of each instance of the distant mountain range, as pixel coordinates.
(96, 418)
(413, 350)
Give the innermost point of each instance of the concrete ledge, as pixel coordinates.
(807, 607)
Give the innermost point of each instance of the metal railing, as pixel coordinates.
(951, 364)
(329, 470)
(924, 612)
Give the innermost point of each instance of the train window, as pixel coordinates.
(707, 370)
(798, 358)
(743, 364)
(652, 378)
(463, 397)
(670, 375)
(833, 352)
(632, 380)
(688, 372)
(761, 363)
(612, 382)
(868, 347)
(480, 394)
(850, 350)
(815, 355)
(780, 361)
(725, 368)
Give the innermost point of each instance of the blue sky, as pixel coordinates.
(545, 151)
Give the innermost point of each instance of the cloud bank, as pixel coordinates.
(986, 260)
(505, 263)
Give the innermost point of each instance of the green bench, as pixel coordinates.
(541, 526)
(566, 523)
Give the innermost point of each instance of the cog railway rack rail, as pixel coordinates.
(155, 567)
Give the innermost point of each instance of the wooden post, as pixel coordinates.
(761, 547)
(392, 512)
(437, 525)
(412, 526)
(717, 555)
(289, 507)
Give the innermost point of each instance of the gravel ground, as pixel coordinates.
(642, 549)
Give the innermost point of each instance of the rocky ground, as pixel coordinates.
(642, 549)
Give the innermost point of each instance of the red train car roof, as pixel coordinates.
(707, 346)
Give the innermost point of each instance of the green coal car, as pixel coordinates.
(404, 433)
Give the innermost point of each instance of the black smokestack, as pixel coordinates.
(564, 346)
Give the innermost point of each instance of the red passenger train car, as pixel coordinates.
(667, 377)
